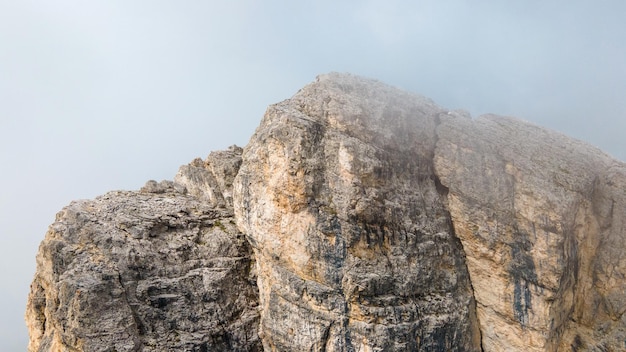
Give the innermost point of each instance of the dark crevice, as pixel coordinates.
(462, 262)
(443, 192)
(562, 311)
(441, 189)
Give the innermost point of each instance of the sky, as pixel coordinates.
(105, 95)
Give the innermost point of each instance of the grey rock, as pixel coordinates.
(212, 179)
(140, 271)
(358, 218)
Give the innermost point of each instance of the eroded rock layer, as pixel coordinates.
(155, 270)
(354, 244)
(541, 219)
(358, 218)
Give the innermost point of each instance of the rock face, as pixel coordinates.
(355, 248)
(367, 219)
(541, 219)
(154, 270)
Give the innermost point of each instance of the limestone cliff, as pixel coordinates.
(355, 248)
(541, 219)
(358, 218)
(154, 270)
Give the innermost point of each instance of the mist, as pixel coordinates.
(98, 96)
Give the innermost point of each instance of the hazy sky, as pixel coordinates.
(101, 95)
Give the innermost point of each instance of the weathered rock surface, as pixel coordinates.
(354, 246)
(541, 219)
(367, 219)
(211, 180)
(142, 271)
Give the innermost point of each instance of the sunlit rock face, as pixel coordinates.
(358, 218)
(354, 244)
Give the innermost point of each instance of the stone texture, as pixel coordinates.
(143, 271)
(540, 217)
(211, 180)
(358, 218)
(353, 243)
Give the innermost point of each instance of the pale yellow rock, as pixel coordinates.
(536, 212)
(353, 244)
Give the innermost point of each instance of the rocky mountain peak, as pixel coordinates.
(359, 217)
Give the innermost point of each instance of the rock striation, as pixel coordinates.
(154, 270)
(540, 217)
(355, 248)
(358, 218)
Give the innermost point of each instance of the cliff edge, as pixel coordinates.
(358, 218)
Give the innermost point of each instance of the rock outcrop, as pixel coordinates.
(358, 218)
(355, 248)
(154, 270)
(541, 219)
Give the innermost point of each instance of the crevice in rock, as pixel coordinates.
(564, 305)
(139, 326)
(473, 314)
(441, 189)
(444, 192)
